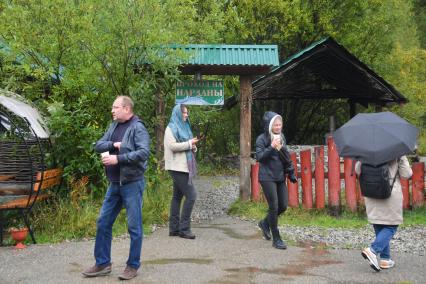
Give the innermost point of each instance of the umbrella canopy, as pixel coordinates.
(375, 138)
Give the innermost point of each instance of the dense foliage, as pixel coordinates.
(72, 58)
(382, 34)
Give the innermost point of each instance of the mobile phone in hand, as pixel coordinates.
(201, 137)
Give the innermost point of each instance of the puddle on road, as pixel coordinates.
(75, 267)
(313, 248)
(163, 261)
(312, 256)
(248, 275)
(231, 233)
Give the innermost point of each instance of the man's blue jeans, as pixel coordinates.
(384, 234)
(129, 196)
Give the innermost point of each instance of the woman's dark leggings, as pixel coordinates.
(181, 221)
(277, 197)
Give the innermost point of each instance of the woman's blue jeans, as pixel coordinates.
(384, 234)
(129, 196)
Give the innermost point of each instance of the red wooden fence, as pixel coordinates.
(350, 185)
(293, 188)
(255, 186)
(418, 184)
(306, 176)
(352, 192)
(333, 176)
(405, 186)
(319, 178)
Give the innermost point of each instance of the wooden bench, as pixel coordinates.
(22, 196)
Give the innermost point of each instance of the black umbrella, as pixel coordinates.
(375, 138)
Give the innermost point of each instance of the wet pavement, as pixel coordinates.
(226, 250)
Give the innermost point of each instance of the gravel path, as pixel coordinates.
(216, 194)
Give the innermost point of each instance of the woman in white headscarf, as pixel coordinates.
(273, 161)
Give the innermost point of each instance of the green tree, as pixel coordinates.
(76, 56)
(420, 17)
(371, 30)
(410, 74)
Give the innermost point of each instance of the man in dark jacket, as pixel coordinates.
(274, 160)
(125, 152)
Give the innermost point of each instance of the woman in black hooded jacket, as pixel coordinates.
(274, 161)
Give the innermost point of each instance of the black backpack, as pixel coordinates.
(375, 182)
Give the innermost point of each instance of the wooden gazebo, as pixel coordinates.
(327, 70)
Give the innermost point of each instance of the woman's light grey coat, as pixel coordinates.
(388, 211)
(174, 153)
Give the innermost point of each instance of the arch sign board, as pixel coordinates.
(200, 92)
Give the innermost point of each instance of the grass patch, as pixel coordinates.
(415, 217)
(62, 219)
(319, 218)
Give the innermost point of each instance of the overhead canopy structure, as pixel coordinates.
(221, 59)
(326, 70)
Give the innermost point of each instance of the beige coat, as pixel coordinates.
(388, 211)
(174, 152)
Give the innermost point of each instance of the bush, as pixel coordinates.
(61, 219)
(74, 132)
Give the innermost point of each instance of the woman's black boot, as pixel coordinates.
(264, 226)
(279, 244)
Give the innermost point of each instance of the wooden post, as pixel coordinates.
(350, 185)
(245, 136)
(319, 178)
(293, 188)
(359, 195)
(255, 186)
(378, 108)
(352, 108)
(306, 176)
(418, 185)
(333, 178)
(405, 187)
(159, 128)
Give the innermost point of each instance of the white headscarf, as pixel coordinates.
(273, 135)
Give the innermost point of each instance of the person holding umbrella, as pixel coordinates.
(274, 160)
(385, 215)
(179, 155)
(379, 142)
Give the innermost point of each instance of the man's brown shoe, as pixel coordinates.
(97, 270)
(128, 273)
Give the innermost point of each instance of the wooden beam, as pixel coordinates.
(352, 108)
(307, 94)
(245, 136)
(21, 201)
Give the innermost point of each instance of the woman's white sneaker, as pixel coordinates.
(371, 257)
(386, 263)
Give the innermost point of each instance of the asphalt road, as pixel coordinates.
(226, 250)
